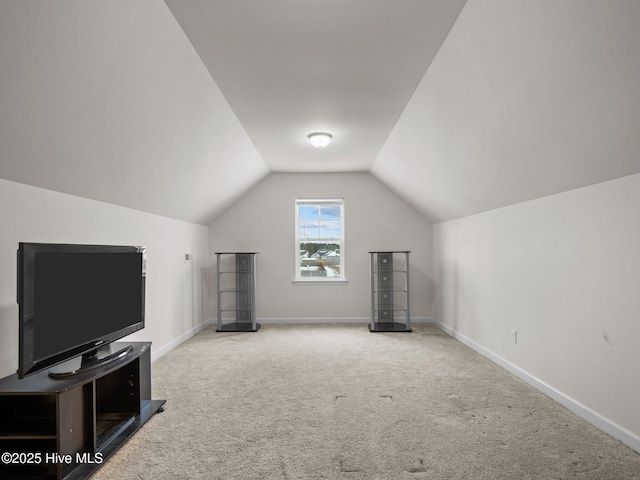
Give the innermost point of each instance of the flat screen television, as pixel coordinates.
(74, 300)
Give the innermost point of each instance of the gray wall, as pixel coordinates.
(174, 288)
(564, 271)
(375, 219)
(523, 101)
(106, 100)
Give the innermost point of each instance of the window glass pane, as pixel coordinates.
(319, 236)
(320, 259)
(309, 229)
(331, 212)
(309, 212)
(330, 230)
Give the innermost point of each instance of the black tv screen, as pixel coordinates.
(74, 299)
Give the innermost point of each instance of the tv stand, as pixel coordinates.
(95, 359)
(65, 428)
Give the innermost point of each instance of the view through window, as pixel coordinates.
(320, 239)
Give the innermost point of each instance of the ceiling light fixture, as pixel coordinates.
(319, 139)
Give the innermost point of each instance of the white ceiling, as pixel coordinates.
(289, 68)
(180, 107)
(525, 99)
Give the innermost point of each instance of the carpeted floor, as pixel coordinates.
(338, 402)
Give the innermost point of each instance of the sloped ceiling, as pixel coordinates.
(179, 108)
(290, 67)
(525, 99)
(108, 100)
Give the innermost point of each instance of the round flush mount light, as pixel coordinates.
(319, 139)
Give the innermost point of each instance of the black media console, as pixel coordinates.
(66, 428)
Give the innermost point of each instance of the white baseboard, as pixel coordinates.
(607, 426)
(303, 320)
(210, 321)
(625, 436)
(155, 354)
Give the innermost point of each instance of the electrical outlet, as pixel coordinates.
(188, 258)
(514, 336)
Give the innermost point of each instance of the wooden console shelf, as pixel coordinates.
(66, 428)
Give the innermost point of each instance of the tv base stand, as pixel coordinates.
(66, 428)
(84, 363)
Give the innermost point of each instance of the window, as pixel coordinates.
(320, 240)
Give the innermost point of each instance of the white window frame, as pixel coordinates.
(325, 280)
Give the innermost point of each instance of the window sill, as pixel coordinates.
(317, 281)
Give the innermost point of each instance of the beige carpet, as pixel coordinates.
(338, 402)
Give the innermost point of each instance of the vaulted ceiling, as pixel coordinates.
(290, 68)
(180, 107)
